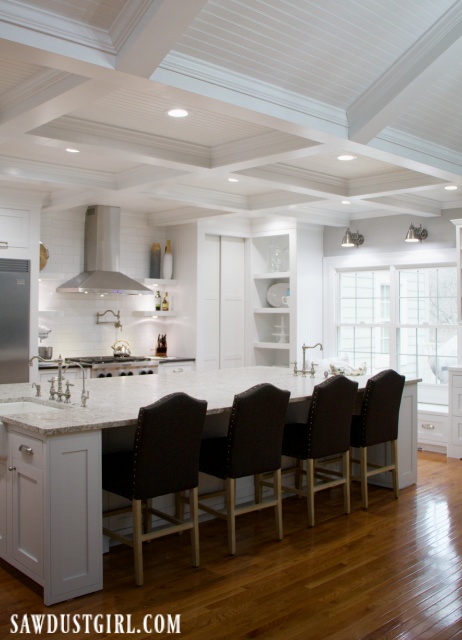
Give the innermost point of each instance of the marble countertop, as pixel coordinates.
(115, 402)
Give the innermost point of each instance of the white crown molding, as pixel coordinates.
(402, 180)
(429, 154)
(205, 198)
(126, 21)
(127, 141)
(263, 148)
(13, 168)
(410, 76)
(183, 71)
(38, 20)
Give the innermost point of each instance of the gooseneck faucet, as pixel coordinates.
(59, 393)
(304, 370)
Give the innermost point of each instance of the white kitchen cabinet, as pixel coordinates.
(50, 517)
(25, 510)
(432, 427)
(21, 505)
(14, 229)
(172, 368)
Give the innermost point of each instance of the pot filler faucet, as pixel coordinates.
(58, 394)
(304, 370)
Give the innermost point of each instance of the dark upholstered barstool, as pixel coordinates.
(326, 434)
(164, 459)
(251, 448)
(377, 424)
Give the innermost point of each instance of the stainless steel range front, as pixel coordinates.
(113, 366)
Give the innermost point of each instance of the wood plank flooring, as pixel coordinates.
(393, 572)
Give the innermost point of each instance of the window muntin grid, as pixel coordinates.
(421, 341)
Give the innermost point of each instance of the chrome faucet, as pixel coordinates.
(85, 394)
(304, 370)
(58, 393)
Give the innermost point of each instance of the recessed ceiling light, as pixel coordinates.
(177, 113)
(233, 180)
(346, 201)
(69, 150)
(346, 157)
(451, 187)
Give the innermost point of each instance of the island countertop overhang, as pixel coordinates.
(116, 402)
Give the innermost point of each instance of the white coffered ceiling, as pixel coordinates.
(275, 89)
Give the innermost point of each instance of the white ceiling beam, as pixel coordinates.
(137, 146)
(155, 33)
(266, 148)
(45, 97)
(406, 205)
(410, 76)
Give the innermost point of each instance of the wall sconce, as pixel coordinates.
(416, 234)
(352, 239)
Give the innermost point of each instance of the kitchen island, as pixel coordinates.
(50, 462)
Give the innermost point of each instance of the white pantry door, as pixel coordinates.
(224, 302)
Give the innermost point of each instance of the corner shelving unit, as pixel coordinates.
(267, 349)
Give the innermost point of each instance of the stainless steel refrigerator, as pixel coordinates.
(14, 320)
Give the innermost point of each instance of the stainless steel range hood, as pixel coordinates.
(101, 257)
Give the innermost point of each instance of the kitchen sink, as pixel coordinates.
(25, 406)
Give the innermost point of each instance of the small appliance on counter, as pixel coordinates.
(161, 349)
(44, 352)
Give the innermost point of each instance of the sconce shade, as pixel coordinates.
(352, 239)
(416, 234)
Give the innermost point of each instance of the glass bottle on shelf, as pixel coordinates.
(165, 302)
(158, 300)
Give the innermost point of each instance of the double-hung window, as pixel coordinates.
(403, 318)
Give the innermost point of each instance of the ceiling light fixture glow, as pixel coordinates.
(346, 201)
(69, 150)
(345, 157)
(233, 180)
(177, 113)
(451, 187)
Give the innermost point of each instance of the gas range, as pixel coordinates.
(113, 366)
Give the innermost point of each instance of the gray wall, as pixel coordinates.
(386, 235)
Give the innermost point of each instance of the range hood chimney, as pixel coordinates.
(101, 257)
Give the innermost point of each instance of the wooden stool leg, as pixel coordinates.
(310, 490)
(193, 510)
(278, 507)
(137, 542)
(231, 516)
(394, 472)
(346, 486)
(363, 465)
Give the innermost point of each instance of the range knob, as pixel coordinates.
(130, 373)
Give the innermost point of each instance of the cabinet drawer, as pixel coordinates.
(175, 367)
(432, 427)
(27, 449)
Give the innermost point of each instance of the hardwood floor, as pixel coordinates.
(393, 572)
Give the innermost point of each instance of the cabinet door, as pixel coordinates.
(3, 519)
(14, 228)
(27, 516)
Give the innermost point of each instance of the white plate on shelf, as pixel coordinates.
(275, 293)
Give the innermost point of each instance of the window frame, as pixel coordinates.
(446, 257)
